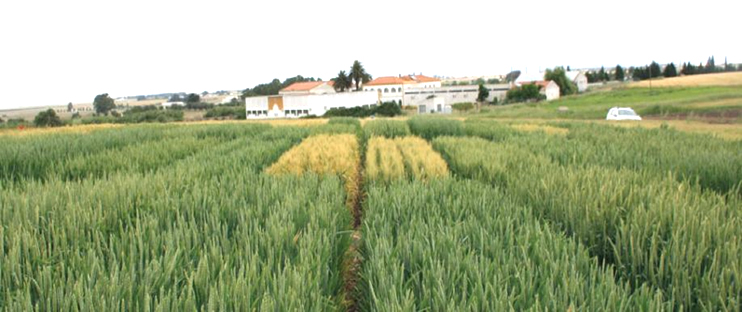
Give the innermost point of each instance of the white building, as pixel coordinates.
(392, 89)
(424, 99)
(304, 99)
(579, 79)
(167, 105)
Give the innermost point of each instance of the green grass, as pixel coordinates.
(711, 162)
(655, 231)
(595, 105)
(386, 128)
(453, 245)
(184, 217)
(210, 231)
(431, 127)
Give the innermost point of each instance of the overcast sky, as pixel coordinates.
(54, 52)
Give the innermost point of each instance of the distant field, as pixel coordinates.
(680, 102)
(723, 79)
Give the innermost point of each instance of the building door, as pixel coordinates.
(421, 109)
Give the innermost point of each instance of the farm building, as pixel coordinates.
(451, 95)
(393, 89)
(303, 99)
(579, 79)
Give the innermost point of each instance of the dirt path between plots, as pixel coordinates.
(353, 259)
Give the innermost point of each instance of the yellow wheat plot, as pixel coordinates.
(389, 159)
(545, 129)
(323, 154)
(384, 160)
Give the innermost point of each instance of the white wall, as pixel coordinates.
(581, 82)
(551, 91)
(295, 106)
(454, 94)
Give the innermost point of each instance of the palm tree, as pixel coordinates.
(358, 74)
(342, 81)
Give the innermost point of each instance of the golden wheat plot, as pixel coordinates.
(421, 161)
(412, 157)
(321, 154)
(545, 129)
(384, 160)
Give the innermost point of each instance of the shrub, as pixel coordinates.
(199, 106)
(47, 118)
(236, 112)
(431, 127)
(387, 109)
(463, 107)
(529, 92)
(359, 112)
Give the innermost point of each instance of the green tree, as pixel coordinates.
(670, 71)
(620, 74)
(342, 82)
(559, 76)
(103, 104)
(654, 70)
(70, 107)
(602, 75)
(193, 98)
(47, 118)
(711, 65)
(359, 74)
(483, 94)
(527, 92)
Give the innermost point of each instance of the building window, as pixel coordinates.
(386, 90)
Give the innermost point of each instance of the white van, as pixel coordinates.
(622, 113)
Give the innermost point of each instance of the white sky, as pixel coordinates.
(54, 52)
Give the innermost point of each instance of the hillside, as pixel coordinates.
(719, 102)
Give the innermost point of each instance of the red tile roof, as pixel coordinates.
(303, 86)
(421, 78)
(391, 80)
(541, 84)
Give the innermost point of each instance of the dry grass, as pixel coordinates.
(722, 79)
(546, 129)
(728, 131)
(273, 122)
(390, 159)
(67, 129)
